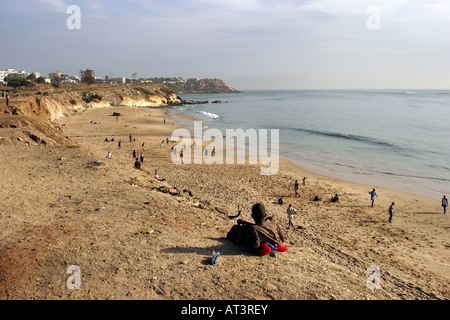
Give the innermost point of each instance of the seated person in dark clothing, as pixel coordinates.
(335, 198)
(265, 236)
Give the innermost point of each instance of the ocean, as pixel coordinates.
(389, 138)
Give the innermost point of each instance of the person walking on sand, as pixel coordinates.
(304, 181)
(120, 144)
(444, 204)
(134, 154)
(373, 194)
(291, 212)
(142, 157)
(391, 212)
(296, 188)
(181, 156)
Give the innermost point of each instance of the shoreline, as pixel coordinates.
(309, 169)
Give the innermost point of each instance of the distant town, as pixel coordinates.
(13, 78)
(85, 76)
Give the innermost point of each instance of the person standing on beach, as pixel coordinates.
(296, 188)
(120, 144)
(373, 194)
(134, 154)
(444, 204)
(391, 212)
(304, 181)
(291, 212)
(142, 157)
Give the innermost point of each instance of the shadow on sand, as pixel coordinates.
(430, 213)
(226, 248)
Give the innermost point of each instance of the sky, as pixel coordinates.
(250, 44)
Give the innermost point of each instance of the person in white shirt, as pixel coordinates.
(291, 213)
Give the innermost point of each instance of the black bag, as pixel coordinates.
(239, 234)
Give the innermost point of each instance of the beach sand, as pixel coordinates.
(132, 239)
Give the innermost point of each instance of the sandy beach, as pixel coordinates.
(135, 236)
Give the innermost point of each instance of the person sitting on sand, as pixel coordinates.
(335, 198)
(266, 235)
(262, 238)
(137, 164)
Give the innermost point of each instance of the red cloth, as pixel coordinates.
(264, 249)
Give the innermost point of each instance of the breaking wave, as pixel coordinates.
(209, 114)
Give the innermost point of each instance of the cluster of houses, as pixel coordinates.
(10, 74)
(85, 76)
(57, 76)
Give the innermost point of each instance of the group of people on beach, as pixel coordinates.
(265, 236)
(373, 194)
(138, 160)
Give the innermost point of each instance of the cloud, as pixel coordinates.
(59, 6)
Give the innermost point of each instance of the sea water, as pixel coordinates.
(390, 138)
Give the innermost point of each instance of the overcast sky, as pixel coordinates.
(250, 44)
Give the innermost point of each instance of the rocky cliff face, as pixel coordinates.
(31, 112)
(199, 86)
